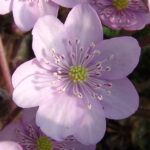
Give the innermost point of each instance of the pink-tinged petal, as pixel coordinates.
(8, 145)
(119, 56)
(32, 84)
(83, 24)
(32, 91)
(48, 33)
(5, 6)
(59, 117)
(47, 8)
(123, 100)
(92, 126)
(140, 22)
(26, 69)
(69, 3)
(148, 4)
(77, 145)
(26, 13)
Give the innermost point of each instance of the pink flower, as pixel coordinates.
(27, 12)
(77, 79)
(117, 14)
(29, 136)
(8, 145)
(148, 3)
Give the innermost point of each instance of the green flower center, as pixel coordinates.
(78, 74)
(121, 4)
(43, 143)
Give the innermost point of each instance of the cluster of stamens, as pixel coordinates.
(43, 143)
(121, 4)
(78, 74)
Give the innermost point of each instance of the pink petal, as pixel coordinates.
(83, 24)
(32, 84)
(5, 6)
(77, 145)
(32, 91)
(48, 33)
(8, 145)
(123, 100)
(149, 5)
(141, 20)
(120, 54)
(69, 3)
(59, 117)
(92, 126)
(26, 13)
(26, 69)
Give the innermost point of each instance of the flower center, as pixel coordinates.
(78, 74)
(121, 4)
(43, 143)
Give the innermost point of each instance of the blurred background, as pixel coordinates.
(129, 134)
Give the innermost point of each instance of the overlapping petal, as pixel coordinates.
(51, 34)
(5, 6)
(78, 146)
(123, 100)
(61, 116)
(121, 54)
(32, 84)
(8, 145)
(25, 70)
(92, 126)
(69, 3)
(84, 25)
(140, 22)
(26, 13)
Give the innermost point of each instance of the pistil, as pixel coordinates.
(78, 74)
(121, 4)
(43, 143)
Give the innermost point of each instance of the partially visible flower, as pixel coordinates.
(8, 145)
(27, 12)
(29, 137)
(148, 3)
(77, 79)
(117, 14)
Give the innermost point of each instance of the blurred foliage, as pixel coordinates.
(129, 134)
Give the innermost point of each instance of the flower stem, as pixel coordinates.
(5, 71)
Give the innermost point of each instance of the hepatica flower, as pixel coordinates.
(117, 14)
(77, 79)
(29, 137)
(26, 12)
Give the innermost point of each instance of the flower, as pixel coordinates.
(30, 137)
(117, 14)
(77, 79)
(9, 145)
(27, 12)
(148, 3)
